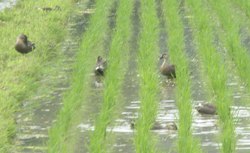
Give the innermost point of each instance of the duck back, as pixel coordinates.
(207, 109)
(168, 70)
(23, 45)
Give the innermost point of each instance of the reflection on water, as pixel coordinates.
(205, 127)
(6, 4)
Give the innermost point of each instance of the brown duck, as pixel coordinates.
(158, 126)
(24, 46)
(206, 108)
(101, 66)
(167, 69)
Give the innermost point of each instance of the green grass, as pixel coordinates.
(19, 73)
(114, 77)
(91, 47)
(186, 142)
(214, 69)
(149, 83)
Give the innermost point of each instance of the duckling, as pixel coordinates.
(158, 126)
(206, 108)
(166, 69)
(24, 46)
(100, 66)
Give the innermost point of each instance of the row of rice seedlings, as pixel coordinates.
(214, 68)
(232, 41)
(186, 142)
(240, 17)
(244, 33)
(19, 73)
(114, 77)
(149, 83)
(91, 46)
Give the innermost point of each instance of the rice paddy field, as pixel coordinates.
(51, 100)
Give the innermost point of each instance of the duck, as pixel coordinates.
(167, 69)
(158, 126)
(23, 45)
(206, 108)
(101, 66)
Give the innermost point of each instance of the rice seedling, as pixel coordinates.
(231, 39)
(144, 140)
(114, 77)
(91, 46)
(215, 71)
(19, 73)
(186, 142)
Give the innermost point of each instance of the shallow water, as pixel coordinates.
(205, 127)
(7, 4)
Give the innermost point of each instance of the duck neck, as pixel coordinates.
(164, 62)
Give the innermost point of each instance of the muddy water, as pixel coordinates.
(39, 111)
(7, 4)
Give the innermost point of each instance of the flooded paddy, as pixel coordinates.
(6, 4)
(38, 113)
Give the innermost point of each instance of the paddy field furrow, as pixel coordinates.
(90, 48)
(216, 74)
(232, 40)
(176, 46)
(114, 79)
(240, 93)
(129, 108)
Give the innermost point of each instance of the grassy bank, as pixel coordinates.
(20, 73)
(114, 77)
(215, 71)
(149, 83)
(91, 47)
(186, 142)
